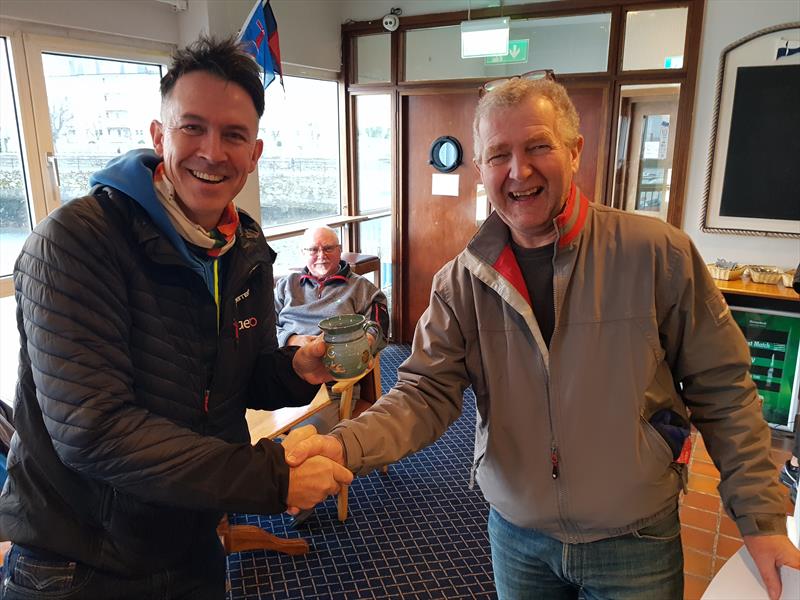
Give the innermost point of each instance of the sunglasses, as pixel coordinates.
(533, 75)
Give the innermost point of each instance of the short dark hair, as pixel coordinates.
(224, 58)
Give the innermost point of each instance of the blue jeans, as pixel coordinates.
(647, 563)
(30, 573)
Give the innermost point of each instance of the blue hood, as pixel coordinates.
(132, 174)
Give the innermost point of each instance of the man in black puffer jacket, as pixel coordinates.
(147, 326)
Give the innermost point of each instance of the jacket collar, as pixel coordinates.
(492, 243)
(571, 220)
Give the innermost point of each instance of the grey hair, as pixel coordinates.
(514, 92)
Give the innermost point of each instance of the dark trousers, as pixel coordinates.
(31, 573)
(796, 450)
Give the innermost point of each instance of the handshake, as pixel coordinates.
(316, 468)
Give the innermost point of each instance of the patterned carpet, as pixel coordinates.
(418, 532)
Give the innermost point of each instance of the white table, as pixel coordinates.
(739, 577)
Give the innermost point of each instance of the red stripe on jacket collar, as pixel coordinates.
(568, 222)
(322, 282)
(506, 264)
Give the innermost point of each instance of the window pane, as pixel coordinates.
(647, 129)
(15, 219)
(373, 58)
(299, 169)
(654, 39)
(374, 152)
(376, 238)
(546, 44)
(99, 108)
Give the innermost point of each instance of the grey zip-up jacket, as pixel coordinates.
(563, 441)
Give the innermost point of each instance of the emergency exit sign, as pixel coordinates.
(517, 53)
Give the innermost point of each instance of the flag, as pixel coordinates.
(259, 37)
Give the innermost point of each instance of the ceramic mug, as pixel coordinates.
(347, 349)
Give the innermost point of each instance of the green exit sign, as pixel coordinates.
(517, 53)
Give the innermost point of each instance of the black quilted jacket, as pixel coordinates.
(131, 437)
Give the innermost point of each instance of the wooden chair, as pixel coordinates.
(370, 392)
(271, 424)
(361, 264)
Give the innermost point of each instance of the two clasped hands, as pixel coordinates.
(316, 468)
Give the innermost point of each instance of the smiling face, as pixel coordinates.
(527, 168)
(208, 142)
(322, 264)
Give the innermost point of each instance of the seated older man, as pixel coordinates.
(325, 288)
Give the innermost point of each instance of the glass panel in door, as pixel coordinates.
(645, 147)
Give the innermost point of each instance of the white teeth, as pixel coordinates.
(530, 192)
(208, 176)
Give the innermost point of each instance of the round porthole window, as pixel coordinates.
(446, 154)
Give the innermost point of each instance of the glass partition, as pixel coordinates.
(373, 58)
(654, 39)
(577, 44)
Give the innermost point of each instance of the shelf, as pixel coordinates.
(761, 290)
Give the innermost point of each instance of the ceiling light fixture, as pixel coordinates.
(484, 37)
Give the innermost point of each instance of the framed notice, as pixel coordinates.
(774, 341)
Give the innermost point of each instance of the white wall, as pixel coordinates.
(725, 22)
(310, 32)
(146, 20)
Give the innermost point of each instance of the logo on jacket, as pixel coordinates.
(248, 323)
(241, 297)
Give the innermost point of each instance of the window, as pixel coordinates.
(78, 102)
(15, 218)
(299, 169)
(67, 107)
(654, 39)
(374, 152)
(373, 58)
(533, 44)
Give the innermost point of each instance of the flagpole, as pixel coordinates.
(256, 6)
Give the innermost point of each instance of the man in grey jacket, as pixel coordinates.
(326, 287)
(590, 337)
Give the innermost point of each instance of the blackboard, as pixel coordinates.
(762, 170)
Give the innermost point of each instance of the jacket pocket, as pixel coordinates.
(658, 441)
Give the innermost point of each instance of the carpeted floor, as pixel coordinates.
(418, 532)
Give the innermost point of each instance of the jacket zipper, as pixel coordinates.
(554, 459)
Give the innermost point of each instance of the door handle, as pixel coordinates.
(52, 163)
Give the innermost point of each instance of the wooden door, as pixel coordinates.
(436, 228)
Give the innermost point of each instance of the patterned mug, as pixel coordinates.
(347, 350)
